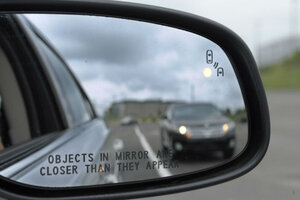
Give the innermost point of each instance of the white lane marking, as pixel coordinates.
(118, 145)
(162, 172)
(112, 178)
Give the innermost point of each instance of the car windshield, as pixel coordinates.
(199, 111)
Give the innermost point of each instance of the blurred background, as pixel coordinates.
(271, 30)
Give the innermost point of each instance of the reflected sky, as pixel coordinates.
(117, 59)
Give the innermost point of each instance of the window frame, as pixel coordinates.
(33, 35)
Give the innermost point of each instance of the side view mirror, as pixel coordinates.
(135, 62)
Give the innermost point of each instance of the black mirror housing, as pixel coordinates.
(244, 67)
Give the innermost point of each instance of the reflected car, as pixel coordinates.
(128, 120)
(199, 127)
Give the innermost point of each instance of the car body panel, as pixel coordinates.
(85, 139)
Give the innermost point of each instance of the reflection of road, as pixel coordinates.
(146, 137)
(195, 161)
(277, 177)
(128, 142)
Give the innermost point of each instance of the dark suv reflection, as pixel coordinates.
(199, 127)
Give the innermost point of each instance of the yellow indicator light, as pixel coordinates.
(182, 130)
(207, 72)
(225, 128)
(101, 169)
(188, 135)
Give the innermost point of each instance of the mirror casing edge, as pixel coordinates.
(245, 69)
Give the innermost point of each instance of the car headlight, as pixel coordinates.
(227, 127)
(182, 130)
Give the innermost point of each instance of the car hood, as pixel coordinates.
(219, 120)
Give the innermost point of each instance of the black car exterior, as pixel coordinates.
(199, 127)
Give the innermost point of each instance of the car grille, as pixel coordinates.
(201, 131)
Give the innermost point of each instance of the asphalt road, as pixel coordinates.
(278, 176)
(145, 139)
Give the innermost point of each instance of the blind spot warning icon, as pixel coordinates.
(216, 64)
(209, 57)
(220, 71)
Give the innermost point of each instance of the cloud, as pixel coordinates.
(118, 59)
(96, 38)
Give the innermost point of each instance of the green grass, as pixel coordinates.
(284, 75)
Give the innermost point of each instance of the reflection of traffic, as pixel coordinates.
(128, 120)
(208, 135)
(199, 128)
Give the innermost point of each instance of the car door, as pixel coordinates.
(73, 109)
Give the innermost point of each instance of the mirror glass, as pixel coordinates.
(137, 101)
